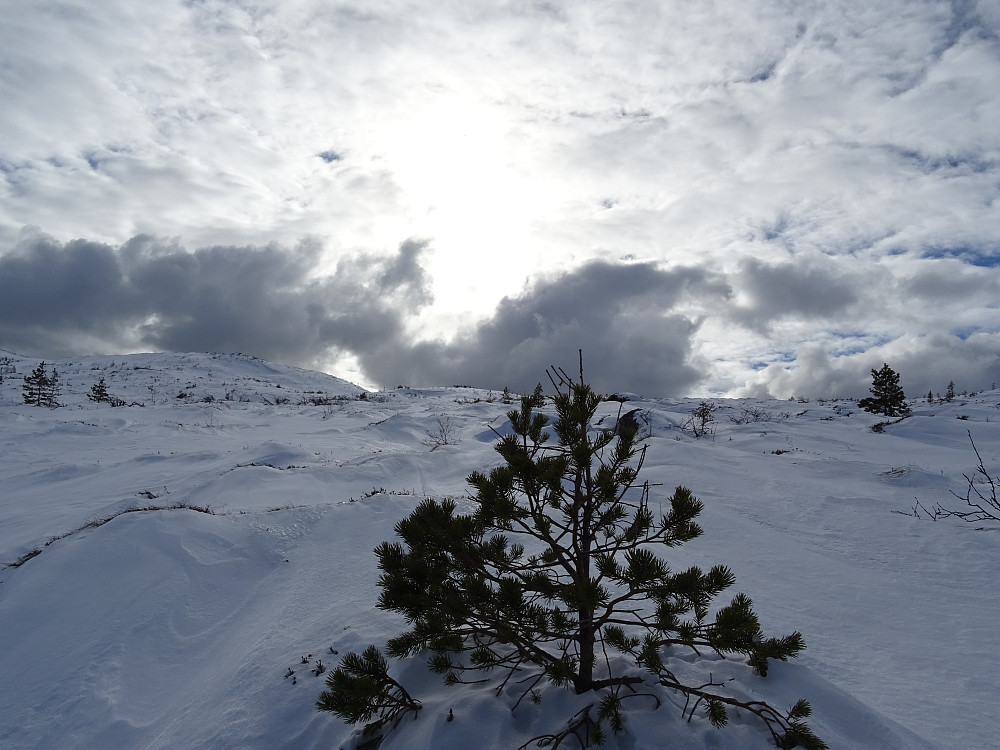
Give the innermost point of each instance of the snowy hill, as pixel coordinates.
(148, 379)
(175, 627)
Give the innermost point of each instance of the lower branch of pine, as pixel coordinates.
(785, 730)
(582, 727)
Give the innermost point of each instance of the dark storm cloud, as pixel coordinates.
(944, 280)
(625, 316)
(45, 286)
(404, 278)
(60, 299)
(797, 289)
(631, 319)
(638, 323)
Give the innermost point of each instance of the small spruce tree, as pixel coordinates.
(949, 393)
(887, 396)
(553, 572)
(53, 389)
(35, 389)
(99, 391)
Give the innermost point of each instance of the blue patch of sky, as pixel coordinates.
(847, 351)
(964, 332)
(774, 358)
(13, 176)
(979, 257)
(927, 163)
(778, 227)
(855, 342)
(964, 19)
(854, 245)
(330, 156)
(764, 73)
(780, 231)
(768, 69)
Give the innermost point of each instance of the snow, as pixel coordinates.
(175, 628)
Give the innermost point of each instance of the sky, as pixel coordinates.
(729, 198)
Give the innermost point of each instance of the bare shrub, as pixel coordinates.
(443, 433)
(981, 503)
(702, 420)
(750, 414)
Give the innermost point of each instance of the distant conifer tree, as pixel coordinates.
(53, 389)
(98, 391)
(887, 395)
(35, 386)
(40, 388)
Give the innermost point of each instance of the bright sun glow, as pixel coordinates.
(470, 192)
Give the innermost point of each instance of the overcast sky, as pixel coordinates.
(728, 197)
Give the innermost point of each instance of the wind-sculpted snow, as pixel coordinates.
(132, 620)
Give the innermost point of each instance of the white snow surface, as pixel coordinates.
(175, 628)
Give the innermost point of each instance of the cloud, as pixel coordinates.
(800, 327)
(633, 319)
(800, 289)
(404, 278)
(816, 326)
(59, 299)
(629, 318)
(924, 363)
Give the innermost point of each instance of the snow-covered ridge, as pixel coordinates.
(175, 628)
(160, 377)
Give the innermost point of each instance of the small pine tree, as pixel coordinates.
(35, 389)
(99, 391)
(887, 395)
(40, 388)
(930, 396)
(949, 393)
(538, 397)
(478, 600)
(53, 389)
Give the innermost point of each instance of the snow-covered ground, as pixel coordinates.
(175, 628)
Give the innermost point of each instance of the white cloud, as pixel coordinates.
(835, 142)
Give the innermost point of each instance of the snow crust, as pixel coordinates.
(175, 628)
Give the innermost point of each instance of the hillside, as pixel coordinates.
(174, 627)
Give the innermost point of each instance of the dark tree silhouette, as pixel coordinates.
(887, 396)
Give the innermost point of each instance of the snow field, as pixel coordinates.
(174, 628)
